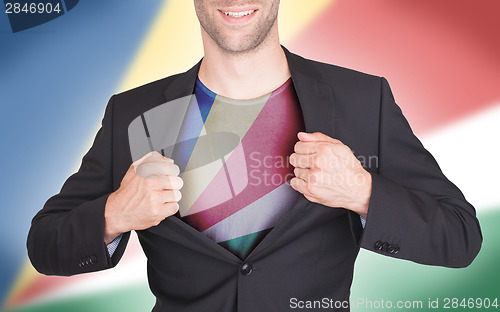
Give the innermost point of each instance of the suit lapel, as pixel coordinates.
(158, 127)
(182, 84)
(315, 98)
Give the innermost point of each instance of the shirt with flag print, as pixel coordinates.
(236, 171)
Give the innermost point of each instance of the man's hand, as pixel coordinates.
(327, 172)
(148, 193)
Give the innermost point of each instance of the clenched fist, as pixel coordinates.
(148, 193)
(327, 172)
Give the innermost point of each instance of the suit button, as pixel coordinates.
(396, 249)
(83, 263)
(390, 249)
(384, 246)
(246, 269)
(378, 245)
(93, 260)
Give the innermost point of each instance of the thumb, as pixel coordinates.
(152, 156)
(316, 137)
(146, 156)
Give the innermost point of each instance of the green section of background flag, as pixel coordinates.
(376, 278)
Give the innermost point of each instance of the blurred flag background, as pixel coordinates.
(442, 59)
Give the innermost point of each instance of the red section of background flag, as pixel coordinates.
(440, 57)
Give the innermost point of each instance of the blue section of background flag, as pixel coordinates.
(68, 67)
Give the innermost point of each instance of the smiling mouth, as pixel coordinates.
(239, 14)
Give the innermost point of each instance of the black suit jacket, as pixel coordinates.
(415, 213)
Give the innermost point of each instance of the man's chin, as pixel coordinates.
(239, 46)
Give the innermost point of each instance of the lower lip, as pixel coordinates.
(237, 20)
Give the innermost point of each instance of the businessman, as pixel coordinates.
(225, 222)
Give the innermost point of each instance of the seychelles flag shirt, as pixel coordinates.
(236, 170)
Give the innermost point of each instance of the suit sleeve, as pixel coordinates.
(415, 212)
(67, 236)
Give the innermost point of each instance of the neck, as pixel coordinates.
(244, 75)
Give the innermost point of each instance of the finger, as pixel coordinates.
(301, 186)
(171, 196)
(171, 183)
(163, 183)
(132, 170)
(157, 169)
(302, 161)
(298, 184)
(302, 173)
(171, 169)
(316, 137)
(302, 147)
(311, 176)
(171, 208)
(143, 158)
(157, 157)
(305, 147)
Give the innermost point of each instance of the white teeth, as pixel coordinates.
(239, 14)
